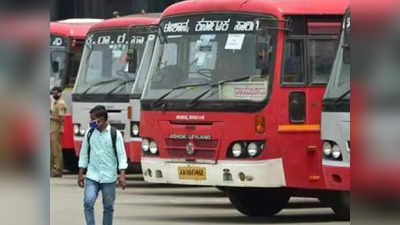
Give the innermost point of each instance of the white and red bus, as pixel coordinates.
(233, 98)
(110, 69)
(67, 38)
(335, 124)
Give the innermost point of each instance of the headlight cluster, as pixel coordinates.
(149, 146)
(245, 149)
(78, 131)
(135, 129)
(332, 150)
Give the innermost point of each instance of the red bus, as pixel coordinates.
(67, 38)
(233, 98)
(112, 64)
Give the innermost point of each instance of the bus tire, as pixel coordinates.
(70, 161)
(258, 203)
(340, 204)
(134, 168)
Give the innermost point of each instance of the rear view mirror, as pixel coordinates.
(132, 61)
(55, 66)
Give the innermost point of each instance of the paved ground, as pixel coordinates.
(151, 204)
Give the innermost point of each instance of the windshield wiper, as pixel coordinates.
(120, 85)
(342, 97)
(98, 84)
(197, 98)
(157, 102)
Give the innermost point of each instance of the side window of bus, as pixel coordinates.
(321, 55)
(293, 71)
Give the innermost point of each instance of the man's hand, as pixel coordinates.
(81, 178)
(122, 179)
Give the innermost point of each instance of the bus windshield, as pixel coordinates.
(58, 59)
(105, 66)
(339, 83)
(144, 65)
(211, 50)
(58, 66)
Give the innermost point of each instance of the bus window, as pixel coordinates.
(171, 58)
(321, 55)
(73, 66)
(168, 65)
(95, 66)
(203, 57)
(293, 71)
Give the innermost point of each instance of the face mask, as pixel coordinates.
(93, 124)
(56, 97)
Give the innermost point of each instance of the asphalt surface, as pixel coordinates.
(153, 204)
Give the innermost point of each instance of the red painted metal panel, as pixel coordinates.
(278, 8)
(67, 141)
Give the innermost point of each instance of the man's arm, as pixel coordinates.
(121, 153)
(83, 161)
(122, 159)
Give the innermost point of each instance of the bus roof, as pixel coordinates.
(278, 8)
(75, 28)
(130, 20)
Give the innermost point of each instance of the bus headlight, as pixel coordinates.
(153, 147)
(77, 129)
(237, 150)
(145, 145)
(252, 149)
(327, 148)
(134, 129)
(336, 152)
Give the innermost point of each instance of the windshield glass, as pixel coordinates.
(210, 49)
(144, 65)
(58, 66)
(58, 60)
(105, 58)
(339, 83)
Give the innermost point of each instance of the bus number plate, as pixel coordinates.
(192, 173)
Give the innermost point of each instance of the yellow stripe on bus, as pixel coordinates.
(299, 127)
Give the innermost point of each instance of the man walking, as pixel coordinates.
(58, 109)
(102, 155)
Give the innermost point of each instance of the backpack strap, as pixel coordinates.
(90, 132)
(114, 144)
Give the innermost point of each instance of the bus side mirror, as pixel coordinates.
(346, 54)
(55, 66)
(132, 61)
(297, 107)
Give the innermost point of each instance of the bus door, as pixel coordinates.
(306, 66)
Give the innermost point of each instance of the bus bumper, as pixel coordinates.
(337, 177)
(266, 173)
